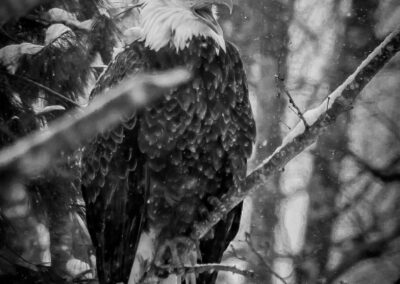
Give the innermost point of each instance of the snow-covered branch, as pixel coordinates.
(35, 153)
(300, 138)
(203, 268)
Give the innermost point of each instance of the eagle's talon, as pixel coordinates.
(174, 254)
(215, 202)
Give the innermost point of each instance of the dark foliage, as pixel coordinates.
(16, 115)
(56, 75)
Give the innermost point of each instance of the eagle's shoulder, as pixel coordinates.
(243, 110)
(113, 179)
(131, 60)
(232, 48)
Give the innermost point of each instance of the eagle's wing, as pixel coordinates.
(243, 128)
(115, 169)
(114, 182)
(213, 249)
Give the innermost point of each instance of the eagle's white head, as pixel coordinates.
(176, 22)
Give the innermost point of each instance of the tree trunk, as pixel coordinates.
(325, 186)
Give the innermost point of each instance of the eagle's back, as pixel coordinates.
(178, 154)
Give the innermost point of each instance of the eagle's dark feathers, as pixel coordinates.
(163, 166)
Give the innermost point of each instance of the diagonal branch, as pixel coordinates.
(282, 88)
(33, 154)
(210, 267)
(47, 89)
(300, 138)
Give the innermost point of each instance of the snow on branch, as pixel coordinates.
(300, 138)
(33, 154)
(209, 268)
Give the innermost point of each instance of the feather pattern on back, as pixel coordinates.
(193, 145)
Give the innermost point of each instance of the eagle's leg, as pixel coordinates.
(176, 253)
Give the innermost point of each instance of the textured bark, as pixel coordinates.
(338, 102)
(325, 186)
(30, 151)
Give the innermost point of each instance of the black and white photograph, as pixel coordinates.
(199, 141)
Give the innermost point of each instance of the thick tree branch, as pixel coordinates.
(33, 154)
(202, 268)
(299, 138)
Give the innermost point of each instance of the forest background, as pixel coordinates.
(330, 216)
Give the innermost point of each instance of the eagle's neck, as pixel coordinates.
(169, 24)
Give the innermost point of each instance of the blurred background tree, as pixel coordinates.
(329, 217)
(49, 58)
(306, 235)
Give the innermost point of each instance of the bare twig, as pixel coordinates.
(196, 269)
(34, 153)
(285, 124)
(127, 10)
(280, 84)
(202, 268)
(298, 139)
(235, 253)
(262, 260)
(47, 89)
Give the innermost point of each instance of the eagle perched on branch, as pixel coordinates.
(149, 180)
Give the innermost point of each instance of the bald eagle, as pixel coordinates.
(147, 181)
